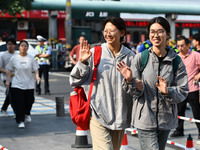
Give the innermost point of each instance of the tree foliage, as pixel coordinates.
(14, 7)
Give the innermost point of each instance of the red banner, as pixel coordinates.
(36, 14)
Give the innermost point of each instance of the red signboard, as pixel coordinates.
(136, 23)
(6, 15)
(37, 14)
(144, 24)
(188, 25)
(61, 15)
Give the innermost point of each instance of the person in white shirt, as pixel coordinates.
(22, 89)
(4, 59)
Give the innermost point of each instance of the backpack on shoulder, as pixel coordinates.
(145, 57)
(79, 105)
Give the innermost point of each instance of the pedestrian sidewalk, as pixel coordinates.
(41, 105)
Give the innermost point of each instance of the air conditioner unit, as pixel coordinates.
(22, 25)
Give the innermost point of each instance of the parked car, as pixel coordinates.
(31, 49)
(32, 42)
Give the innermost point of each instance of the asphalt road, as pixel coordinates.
(59, 86)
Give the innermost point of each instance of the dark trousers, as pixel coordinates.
(43, 70)
(193, 99)
(7, 101)
(22, 102)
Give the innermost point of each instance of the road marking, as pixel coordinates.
(41, 105)
(59, 74)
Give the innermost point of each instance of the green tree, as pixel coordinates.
(14, 7)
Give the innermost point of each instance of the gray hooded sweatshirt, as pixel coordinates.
(152, 109)
(110, 104)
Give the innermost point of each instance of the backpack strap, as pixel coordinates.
(144, 60)
(145, 57)
(176, 62)
(97, 58)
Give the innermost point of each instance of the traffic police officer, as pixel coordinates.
(43, 54)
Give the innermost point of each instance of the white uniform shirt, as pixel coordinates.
(4, 60)
(23, 67)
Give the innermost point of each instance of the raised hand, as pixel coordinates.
(84, 53)
(162, 85)
(125, 71)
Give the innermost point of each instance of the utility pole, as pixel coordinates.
(53, 32)
(172, 21)
(68, 24)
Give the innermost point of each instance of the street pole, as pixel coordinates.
(68, 24)
(172, 21)
(53, 32)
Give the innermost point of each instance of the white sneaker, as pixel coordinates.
(21, 125)
(4, 112)
(28, 119)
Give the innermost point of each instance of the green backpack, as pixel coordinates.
(145, 57)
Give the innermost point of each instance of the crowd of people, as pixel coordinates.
(147, 89)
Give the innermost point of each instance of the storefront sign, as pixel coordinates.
(144, 24)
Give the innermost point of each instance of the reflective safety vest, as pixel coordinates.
(146, 45)
(39, 59)
(175, 49)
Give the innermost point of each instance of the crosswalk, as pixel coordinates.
(41, 105)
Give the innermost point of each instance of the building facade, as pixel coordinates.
(88, 23)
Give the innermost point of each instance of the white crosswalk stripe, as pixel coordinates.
(41, 105)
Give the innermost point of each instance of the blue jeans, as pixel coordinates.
(153, 139)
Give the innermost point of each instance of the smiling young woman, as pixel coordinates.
(113, 34)
(159, 32)
(110, 104)
(157, 87)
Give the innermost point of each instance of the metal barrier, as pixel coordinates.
(176, 144)
(189, 119)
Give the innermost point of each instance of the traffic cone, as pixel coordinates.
(189, 145)
(134, 132)
(3, 148)
(124, 145)
(81, 139)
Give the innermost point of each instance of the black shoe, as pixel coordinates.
(47, 93)
(176, 134)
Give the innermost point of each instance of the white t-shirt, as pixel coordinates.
(23, 67)
(4, 60)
